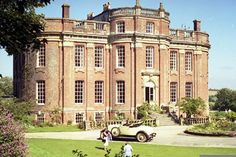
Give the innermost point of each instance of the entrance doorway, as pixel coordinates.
(149, 92)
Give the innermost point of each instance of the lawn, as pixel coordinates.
(57, 128)
(63, 148)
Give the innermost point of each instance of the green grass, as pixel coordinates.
(58, 128)
(63, 148)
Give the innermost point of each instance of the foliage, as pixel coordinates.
(231, 116)
(59, 148)
(107, 154)
(12, 141)
(226, 100)
(69, 122)
(146, 109)
(119, 116)
(78, 153)
(218, 128)
(6, 86)
(20, 25)
(191, 106)
(19, 108)
(55, 116)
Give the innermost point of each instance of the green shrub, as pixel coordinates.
(19, 108)
(231, 116)
(69, 122)
(146, 109)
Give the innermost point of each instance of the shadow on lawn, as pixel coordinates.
(125, 139)
(102, 148)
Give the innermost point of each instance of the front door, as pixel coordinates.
(149, 92)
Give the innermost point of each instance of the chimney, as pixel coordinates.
(90, 16)
(137, 4)
(106, 6)
(65, 11)
(197, 25)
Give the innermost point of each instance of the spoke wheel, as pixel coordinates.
(115, 132)
(141, 137)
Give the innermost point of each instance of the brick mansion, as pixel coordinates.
(111, 63)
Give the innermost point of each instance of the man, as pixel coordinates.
(128, 150)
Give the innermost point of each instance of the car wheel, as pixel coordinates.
(141, 137)
(115, 132)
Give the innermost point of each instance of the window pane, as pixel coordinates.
(120, 56)
(41, 92)
(40, 118)
(98, 57)
(120, 27)
(98, 92)
(173, 92)
(173, 60)
(79, 90)
(79, 117)
(150, 27)
(149, 57)
(188, 89)
(120, 92)
(79, 56)
(98, 116)
(41, 56)
(188, 61)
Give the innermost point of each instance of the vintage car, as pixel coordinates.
(141, 132)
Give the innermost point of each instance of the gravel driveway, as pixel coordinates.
(166, 135)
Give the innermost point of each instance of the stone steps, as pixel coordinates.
(166, 120)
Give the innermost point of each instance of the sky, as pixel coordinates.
(217, 19)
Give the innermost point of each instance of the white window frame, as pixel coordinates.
(98, 59)
(79, 56)
(150, 27)
(120, 92)
(120, 55)
(41, 56)
(149, 57)
(188, 61)
(173, 92)
(78, 118)
(79, 92)
(173, 60)
(99, 92)
(41, 92)
(188, 89)
(120, 27)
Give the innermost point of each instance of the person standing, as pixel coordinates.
(107, 138)
(128, 150)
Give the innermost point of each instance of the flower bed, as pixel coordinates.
(215, 128)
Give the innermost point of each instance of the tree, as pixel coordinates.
(20, 25)
(226, 100)
(191, 106)
(6, 86)
(12, 138)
